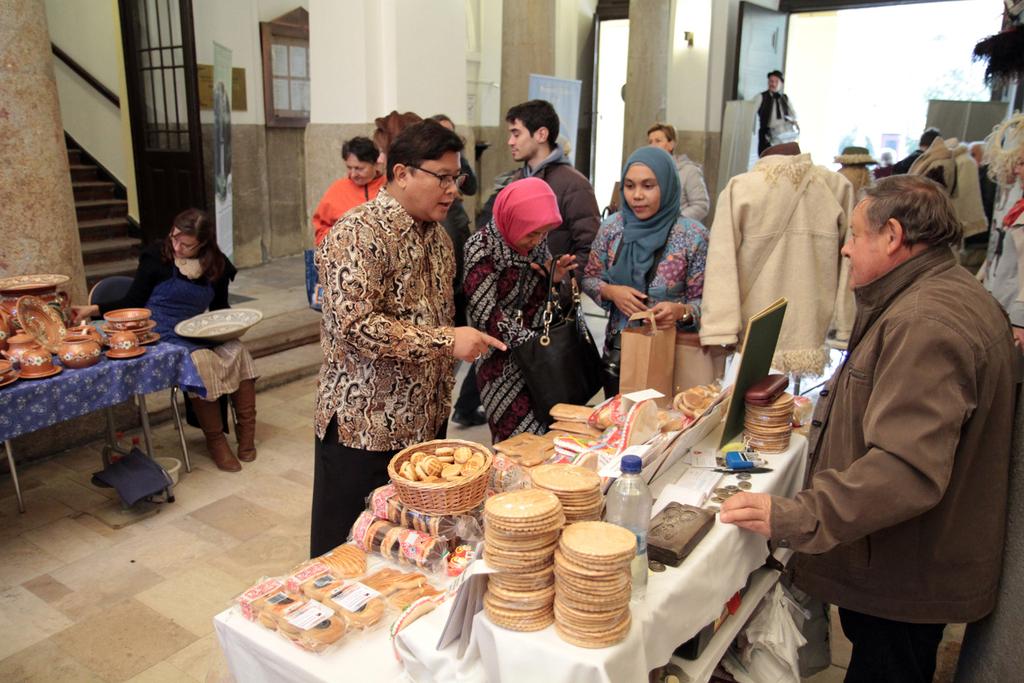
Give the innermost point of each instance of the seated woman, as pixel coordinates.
(177, 279)
(646, 256)
(505, 283)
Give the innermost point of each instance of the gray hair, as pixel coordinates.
(920, 205)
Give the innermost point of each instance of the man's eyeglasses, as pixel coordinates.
(445, 180)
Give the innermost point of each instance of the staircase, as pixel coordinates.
(110, 243)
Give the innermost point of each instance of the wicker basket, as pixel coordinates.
(450, 497)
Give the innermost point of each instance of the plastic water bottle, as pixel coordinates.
(629, 505)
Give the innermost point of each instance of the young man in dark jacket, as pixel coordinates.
(903, 514)
(532, 138)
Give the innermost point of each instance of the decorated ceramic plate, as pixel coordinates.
(19, 282)
(123, 355)
(42, 321)
(219, 326)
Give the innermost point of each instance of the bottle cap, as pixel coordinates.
(631, 464)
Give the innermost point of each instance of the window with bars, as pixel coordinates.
(162, 72)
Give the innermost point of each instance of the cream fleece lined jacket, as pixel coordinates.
(805, 266)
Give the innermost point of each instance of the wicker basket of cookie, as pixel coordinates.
(443, 477)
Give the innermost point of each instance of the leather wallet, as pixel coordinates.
(676, 531)
(764, 392)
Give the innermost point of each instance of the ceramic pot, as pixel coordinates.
(6, 367)
(123, 343)
(79, 352)
(86, 330)
(36, 361)
(19, 344)
(61, 301)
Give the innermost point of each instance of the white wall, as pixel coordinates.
(235, 25)
(483, 62)
(688, 70)
(89, 31)
(700, 77)
(368, 57)
(573, 20)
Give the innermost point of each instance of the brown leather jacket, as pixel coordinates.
(904, 509)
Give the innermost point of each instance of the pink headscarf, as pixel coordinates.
(523, 207)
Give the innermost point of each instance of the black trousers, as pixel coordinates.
(469, 394)
(886, 651)
(343, 478)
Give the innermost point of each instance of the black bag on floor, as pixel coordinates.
(561, 364)
(134, 477)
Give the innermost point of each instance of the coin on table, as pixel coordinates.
(732, 487)
(743, 475)
(718, 499)
(745, 485)
(655, 566)
(714, 508)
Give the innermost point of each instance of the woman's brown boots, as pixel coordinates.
(245, 412)
(208, 413)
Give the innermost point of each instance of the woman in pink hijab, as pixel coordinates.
(505, 281)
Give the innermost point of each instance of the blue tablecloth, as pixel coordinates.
(31, 404)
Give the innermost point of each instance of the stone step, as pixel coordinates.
(93, 189)
(95, 252)
(84, 172)
(94, 272)
(283, 331)
(100, 208)
(103, 228)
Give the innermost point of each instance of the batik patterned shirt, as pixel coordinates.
(386, 332)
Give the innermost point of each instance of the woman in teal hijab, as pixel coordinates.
(647, 256)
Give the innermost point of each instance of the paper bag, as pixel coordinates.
(648, 357)
(695, 364)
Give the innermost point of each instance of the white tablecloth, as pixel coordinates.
(680, 602)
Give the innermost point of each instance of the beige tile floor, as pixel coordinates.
(80, 601)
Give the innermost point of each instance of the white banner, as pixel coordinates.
(222, 147)
(564, 95)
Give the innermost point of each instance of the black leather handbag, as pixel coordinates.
(561, 364)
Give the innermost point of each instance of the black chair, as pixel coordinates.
(107, 290)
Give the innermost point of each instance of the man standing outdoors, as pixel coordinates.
(387, 338)
(776, 116)
(532, 136)
(902, 519)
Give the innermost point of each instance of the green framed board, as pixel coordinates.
(755, 359)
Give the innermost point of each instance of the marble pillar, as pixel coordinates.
(527, 47)
(646, 70)
(38, 227)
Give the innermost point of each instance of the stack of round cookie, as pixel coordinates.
(768, 427)
(520, 536)
(592, 583)
(577, 488)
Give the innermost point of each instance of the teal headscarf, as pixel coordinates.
(641, 239)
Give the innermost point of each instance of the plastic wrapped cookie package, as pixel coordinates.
(320, 604)
(385, 504)
(404, 546)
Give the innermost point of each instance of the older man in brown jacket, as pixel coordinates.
(902, 519)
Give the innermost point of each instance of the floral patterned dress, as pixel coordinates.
(497, 281)
(679, 276)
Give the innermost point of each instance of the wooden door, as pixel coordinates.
(161, 80)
